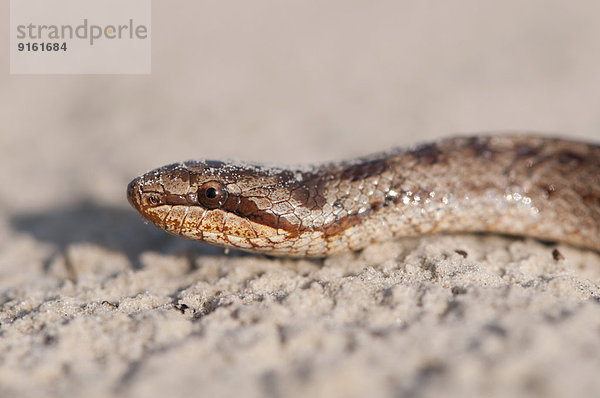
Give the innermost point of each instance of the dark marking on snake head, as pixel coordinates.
(286, 177)
(317, 194)
(300, 194)
(309, 193)
(284, 223)
(265, 218)
(232, 203)
(246, 207)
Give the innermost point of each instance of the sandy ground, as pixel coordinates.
(96, 303)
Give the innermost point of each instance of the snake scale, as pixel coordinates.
(545, 188)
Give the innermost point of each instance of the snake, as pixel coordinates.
(538, 187)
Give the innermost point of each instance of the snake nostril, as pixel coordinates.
(153, 200)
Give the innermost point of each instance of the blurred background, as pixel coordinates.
(95, 300)
(298, 81)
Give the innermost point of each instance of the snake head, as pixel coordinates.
(178, 185)
(247, 207)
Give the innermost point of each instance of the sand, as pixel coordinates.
(94, 303)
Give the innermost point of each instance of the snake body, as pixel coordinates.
(544, 188)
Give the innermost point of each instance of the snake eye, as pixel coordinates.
(212, 194)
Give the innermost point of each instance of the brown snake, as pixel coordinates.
(538, 187)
